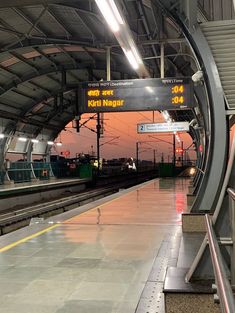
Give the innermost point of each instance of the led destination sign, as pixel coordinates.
(136, 95)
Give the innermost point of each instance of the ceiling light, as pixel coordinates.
(59, 144)
(116, 12)
(131, 58)
(136, 53)
(50, 143)
(34, 140)
(23, 139)
(109, 16)
(2, 136)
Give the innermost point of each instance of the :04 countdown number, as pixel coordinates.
(177, 99)
(177, 89)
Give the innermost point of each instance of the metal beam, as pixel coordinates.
(162, 41)
(39, 40)
(85, 24)
(59, 21)
(54, 63)
(67, 54)
(33, 24)
(15, 117)
(74, 76)
(26, 61)
(216, 155)
(46, 71)
(54, 79)
(36, 85)
(24, 94)
(146, 27)
(20, 3)
(12, 29)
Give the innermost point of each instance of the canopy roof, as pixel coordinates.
(48, 47)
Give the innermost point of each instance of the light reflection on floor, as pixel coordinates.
(98, 261)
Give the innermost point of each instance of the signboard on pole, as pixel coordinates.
(163, 127)
(136, 95)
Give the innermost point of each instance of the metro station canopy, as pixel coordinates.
(48, 47)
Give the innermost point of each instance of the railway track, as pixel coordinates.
(20, 217)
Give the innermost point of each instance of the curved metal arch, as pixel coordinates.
(52, 136)
(215, 162)
(46, 71)
(74, 65)
(47, 121)
(42, 72)
(17, 3)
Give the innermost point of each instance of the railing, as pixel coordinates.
(224, 289)
(26, 171)
(20, 171)
(200, 170)
(231, 193)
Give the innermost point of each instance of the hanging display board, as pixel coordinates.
(136, 95)
(163, 127)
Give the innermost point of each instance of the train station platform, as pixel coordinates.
(30, 192)
(38, 185)
(108, 256)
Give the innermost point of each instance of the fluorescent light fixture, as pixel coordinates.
(131, 58)
(2, 136)
(136, 54)
(50, 143)
(109, 15)
(23, 139)
(116, 12)
(34, 140)
(59, 144)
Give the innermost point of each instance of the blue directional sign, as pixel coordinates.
(163, 127)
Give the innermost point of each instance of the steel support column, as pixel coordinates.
(217, 150)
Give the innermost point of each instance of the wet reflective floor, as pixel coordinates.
(98, 261)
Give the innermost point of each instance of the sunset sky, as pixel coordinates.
(123, 126)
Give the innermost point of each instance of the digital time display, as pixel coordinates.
(177, 94)
(177, 89)
(136, 95)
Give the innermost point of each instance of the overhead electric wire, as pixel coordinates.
(121, 131)
(79, 134)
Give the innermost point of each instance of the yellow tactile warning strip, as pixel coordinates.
(16, 243)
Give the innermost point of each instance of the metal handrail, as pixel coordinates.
(231, 193)
(200, 170)
(223, 286)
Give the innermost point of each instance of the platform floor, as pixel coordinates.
(99, 261)
(39, 183)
